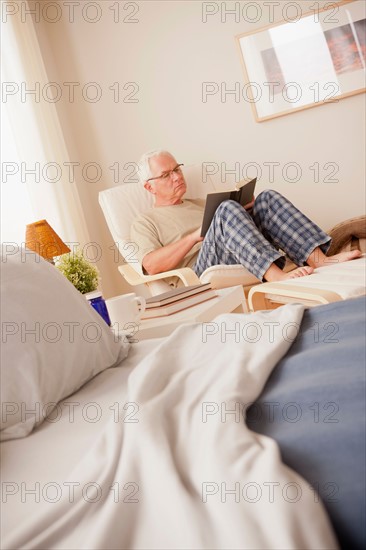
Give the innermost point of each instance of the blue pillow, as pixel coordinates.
(313, 405)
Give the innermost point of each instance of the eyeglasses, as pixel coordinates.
(166, 175)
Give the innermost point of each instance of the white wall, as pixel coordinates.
(169, 53)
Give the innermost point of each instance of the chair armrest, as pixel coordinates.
(260, 295)
(185, 274)
(223, 276)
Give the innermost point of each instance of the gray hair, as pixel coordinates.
(143, 167)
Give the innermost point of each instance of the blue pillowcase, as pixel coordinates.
(313, 405)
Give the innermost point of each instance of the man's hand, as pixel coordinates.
(250, 204)
(196, 236)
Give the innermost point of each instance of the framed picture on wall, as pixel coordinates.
(317, 58)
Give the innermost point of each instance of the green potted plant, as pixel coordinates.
(85, 278)
(82, 274)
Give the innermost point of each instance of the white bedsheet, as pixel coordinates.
(163, 481)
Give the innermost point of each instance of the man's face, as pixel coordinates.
(170, 186)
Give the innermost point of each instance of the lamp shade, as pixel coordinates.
(41, 238)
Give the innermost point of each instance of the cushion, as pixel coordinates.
(121, 205)
(348, 235)
(53, 341)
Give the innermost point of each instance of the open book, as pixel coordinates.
(243, 194)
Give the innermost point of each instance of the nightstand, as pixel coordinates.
(227, 300)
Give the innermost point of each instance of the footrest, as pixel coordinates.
(272, 295)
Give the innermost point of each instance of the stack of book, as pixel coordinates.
(177, 300)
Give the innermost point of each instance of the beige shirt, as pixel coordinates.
(163, 225)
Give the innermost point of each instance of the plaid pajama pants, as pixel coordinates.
(261, 237)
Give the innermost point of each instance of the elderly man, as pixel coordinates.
(256, 236)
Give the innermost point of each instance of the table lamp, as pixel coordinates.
(41, 238)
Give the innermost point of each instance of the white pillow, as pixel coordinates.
(53, 341)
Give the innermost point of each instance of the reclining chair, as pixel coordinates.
(123, 203)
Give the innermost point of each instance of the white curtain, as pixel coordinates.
(35, 130)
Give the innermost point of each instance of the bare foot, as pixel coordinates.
(274, 273)
(299, 272)
(318, 259)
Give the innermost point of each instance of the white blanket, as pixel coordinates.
(189, 474)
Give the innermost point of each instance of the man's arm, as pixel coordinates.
(169, 257)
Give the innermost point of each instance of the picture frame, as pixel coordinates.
(316, 59)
